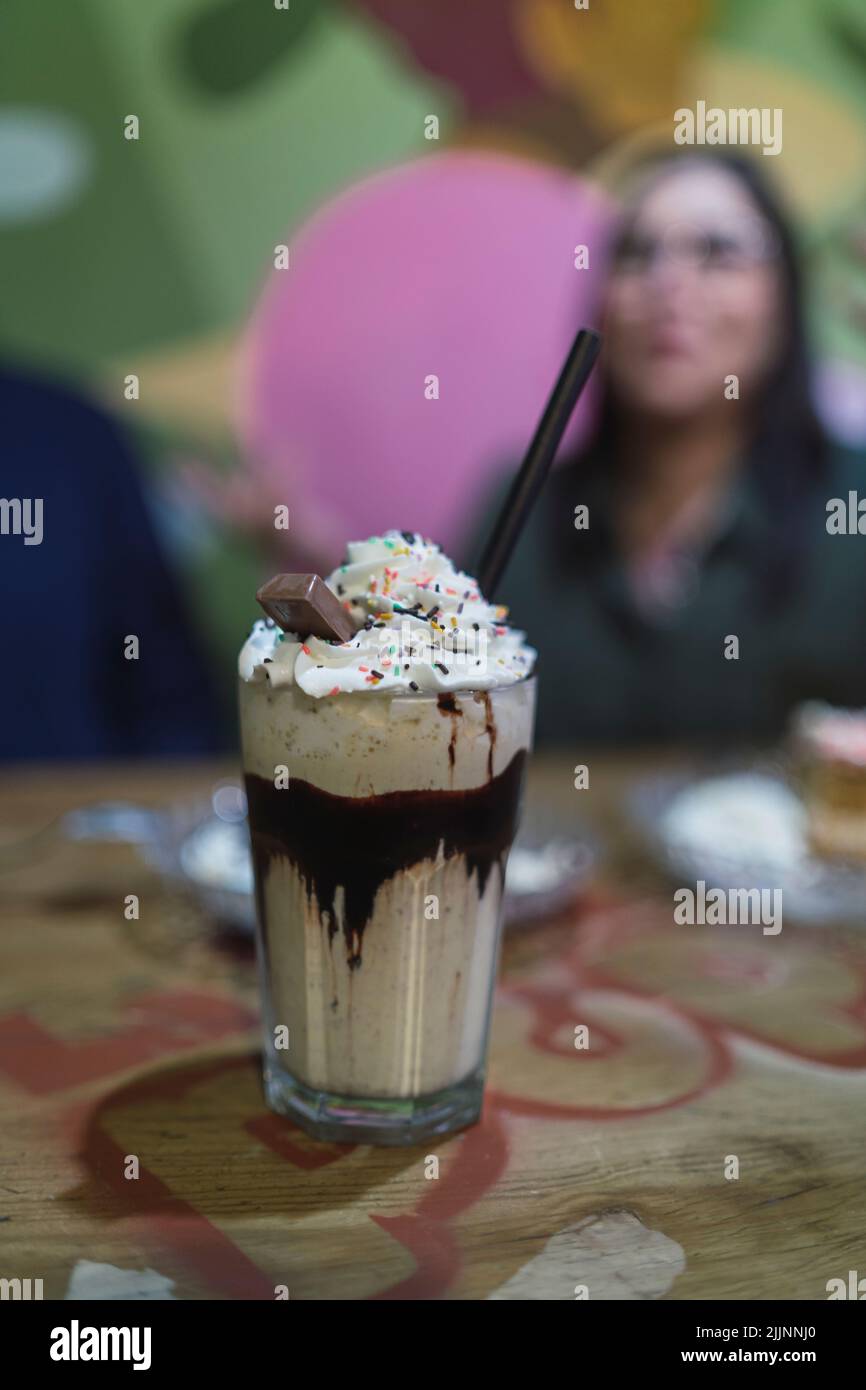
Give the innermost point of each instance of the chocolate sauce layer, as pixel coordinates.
(358, 843)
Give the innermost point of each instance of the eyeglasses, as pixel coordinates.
(637, 252)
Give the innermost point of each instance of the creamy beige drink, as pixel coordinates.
(384, 777)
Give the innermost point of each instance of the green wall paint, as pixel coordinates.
(176, 231)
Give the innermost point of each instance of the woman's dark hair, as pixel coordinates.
(786, 456)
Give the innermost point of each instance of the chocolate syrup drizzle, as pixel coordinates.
(490, 726)
(359, 842)
(446, 704)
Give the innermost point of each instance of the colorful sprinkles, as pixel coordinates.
(383, 584)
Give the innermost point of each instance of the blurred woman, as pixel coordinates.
(679, 578)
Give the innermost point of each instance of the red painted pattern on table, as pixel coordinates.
(157, 1025)
(478, 1158)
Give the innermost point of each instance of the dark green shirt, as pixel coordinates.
(612, 669)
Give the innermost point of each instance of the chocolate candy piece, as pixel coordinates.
(304, 604)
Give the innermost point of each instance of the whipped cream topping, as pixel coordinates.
(424, 627)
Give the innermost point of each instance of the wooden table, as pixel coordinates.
(708, 1144)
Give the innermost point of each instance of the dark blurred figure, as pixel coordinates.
(72, 596)
(707, 512)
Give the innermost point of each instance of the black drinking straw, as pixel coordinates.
(539, 456)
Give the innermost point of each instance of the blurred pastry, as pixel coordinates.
(831, 744)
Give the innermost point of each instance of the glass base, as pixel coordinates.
(368, 1120)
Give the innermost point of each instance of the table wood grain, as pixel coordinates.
(136, 1151)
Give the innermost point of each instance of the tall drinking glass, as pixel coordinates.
(380, 825)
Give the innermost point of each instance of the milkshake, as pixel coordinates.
(384, 777)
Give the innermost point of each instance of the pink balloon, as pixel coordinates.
(460, 266)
